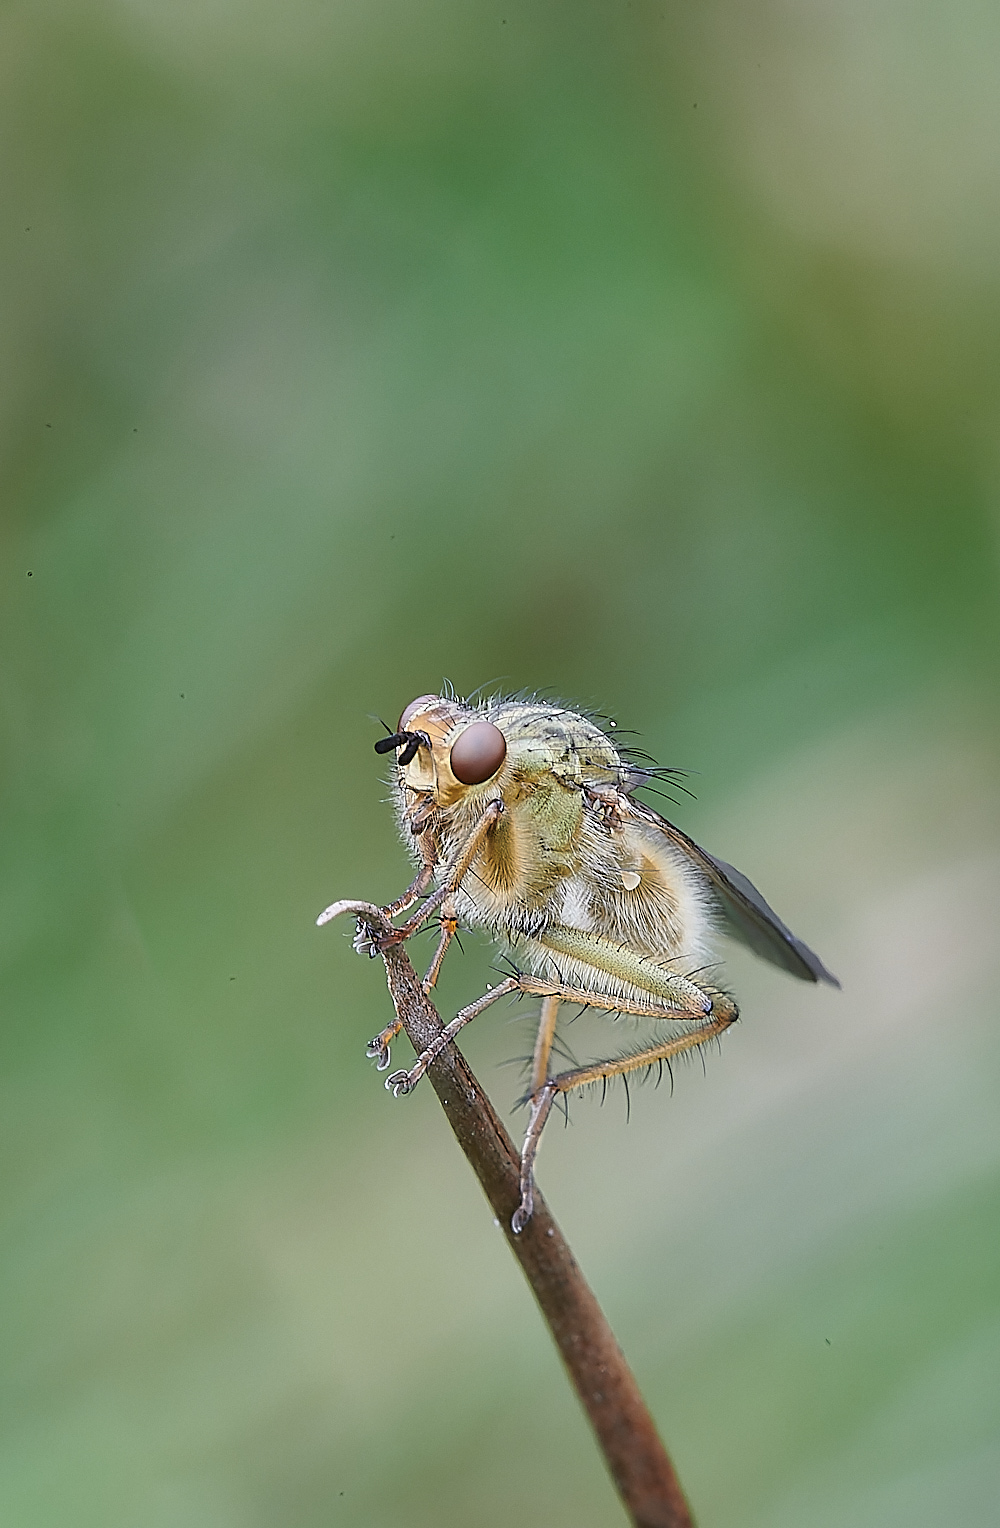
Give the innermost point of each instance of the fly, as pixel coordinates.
(521, 816)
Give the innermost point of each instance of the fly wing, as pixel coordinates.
(749, 917)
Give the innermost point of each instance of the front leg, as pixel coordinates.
(369, 931)
(375, 932)
(417, 887)
(378, 1049)
(451, 877)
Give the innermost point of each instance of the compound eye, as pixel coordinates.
(422, 703)
(478, 753)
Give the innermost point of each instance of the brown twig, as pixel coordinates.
(625, 1431)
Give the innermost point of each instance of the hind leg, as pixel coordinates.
(723, 1013)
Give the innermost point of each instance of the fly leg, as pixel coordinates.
(365, 941)
(401, 1083)
(368, 941)
(543, 1040)
(449, 928)
(417, 887)
(451, 877)
(542, 1099)
(721, 1013)
(378, 1049)
(628, 967)
(670, 994)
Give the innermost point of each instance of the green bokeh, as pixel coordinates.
(642, 352)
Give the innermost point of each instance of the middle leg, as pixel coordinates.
(554, 993)
(543, 1040)
(401, 1083)
(449, 928)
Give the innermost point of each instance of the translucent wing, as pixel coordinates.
(749, 917)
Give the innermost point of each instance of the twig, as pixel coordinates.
(625, 1431)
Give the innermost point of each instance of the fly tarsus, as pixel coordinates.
(365, 941)
(378, 1049)
(402, 1083)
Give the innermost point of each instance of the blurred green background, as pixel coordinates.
(642, 351)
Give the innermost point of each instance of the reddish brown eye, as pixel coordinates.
(478, 753)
